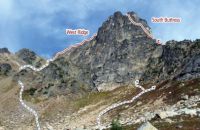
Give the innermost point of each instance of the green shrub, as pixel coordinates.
(115, 125)
(31, 91)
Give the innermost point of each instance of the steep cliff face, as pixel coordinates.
(116, 56)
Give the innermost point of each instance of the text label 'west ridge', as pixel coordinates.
(82, 32)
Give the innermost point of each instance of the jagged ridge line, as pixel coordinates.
(74, 46)
(58, 54)
(141, 25)
(115, 105)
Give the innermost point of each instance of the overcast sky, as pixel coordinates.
(40, 25)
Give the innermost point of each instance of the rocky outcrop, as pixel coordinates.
(5, 69)
(26, 55)
(147, 126)
(4, 50)
(30, 57)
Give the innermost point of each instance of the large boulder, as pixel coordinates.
(147, 126)
(2, 128)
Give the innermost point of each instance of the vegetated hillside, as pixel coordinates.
(101, 72)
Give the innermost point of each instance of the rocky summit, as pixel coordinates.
(82, 82)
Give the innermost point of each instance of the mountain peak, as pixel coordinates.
(117, 15)
(118, 27)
